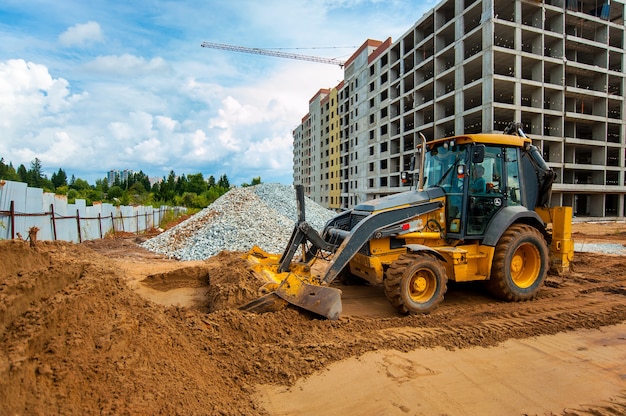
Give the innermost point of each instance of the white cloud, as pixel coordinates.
(127, 65)
(272, 153)
(166, 123)
(29, 96)
(82, 35)
(64, 148)
(150, 151)
(151, 98)
(124, 125)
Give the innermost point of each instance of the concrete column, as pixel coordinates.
(487, 27)
(459, 53)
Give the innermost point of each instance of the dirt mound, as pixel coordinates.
(183, 277)
(228, 281)
(77, 340)
(232, 284)
(70, 321)
(30, 274)
(79, 335)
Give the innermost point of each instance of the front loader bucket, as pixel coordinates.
(292, 287)
(322, 300)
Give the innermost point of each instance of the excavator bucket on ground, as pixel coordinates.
(293, 289)
(290, 281)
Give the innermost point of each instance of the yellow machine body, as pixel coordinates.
(480, 212)
(465, 262)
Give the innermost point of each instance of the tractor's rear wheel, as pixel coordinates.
(520, 264)
(415, 283)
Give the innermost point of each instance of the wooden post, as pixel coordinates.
(80, 237)
(12, 219)
(54, 224)
(32, 236)
(100, 224)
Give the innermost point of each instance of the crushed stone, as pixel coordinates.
(262, 215)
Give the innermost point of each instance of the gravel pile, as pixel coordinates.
(604, 248)
(262, 215)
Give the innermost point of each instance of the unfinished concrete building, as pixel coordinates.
(471, 66)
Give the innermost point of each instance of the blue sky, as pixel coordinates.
(90, 86)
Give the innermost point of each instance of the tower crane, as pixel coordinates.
(270, 52)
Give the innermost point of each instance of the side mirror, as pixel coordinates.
(479, 153)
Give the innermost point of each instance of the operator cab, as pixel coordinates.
(479, 179)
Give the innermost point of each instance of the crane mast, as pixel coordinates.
(270, 52)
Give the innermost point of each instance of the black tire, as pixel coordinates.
(415, 283)
(520, 264)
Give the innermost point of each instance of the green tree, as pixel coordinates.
(188, 199)
(117, 181)
(62, 190)
(144, 179)
(102, 185)
(72, 194)
(138, 193)
(138, 188)
(8, 172)
(59, 178)
(166, 191)
(212, 194)
(35, 174)
(223, 182)
(181, 185)
(255, 181)
(171, 180)
(115, 191)
(22, 173)
(92, 195)
(80, 184)
(196, 184)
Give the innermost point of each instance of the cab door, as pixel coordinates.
(487, 192)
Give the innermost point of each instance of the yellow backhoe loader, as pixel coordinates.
(480, 212)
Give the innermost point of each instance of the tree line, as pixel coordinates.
(192, 191)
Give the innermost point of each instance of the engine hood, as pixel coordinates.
(400, 199)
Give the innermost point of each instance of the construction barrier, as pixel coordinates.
(23, 207)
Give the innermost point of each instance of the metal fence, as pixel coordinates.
(22, 208)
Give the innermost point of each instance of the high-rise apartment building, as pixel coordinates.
(122, 176)
(470, 66)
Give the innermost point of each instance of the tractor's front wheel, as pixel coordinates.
(520, 264)
(415, 283)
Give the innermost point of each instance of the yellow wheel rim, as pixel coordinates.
(525, 265)
(422, 286)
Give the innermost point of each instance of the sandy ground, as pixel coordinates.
(535, 376)
(107, 327)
